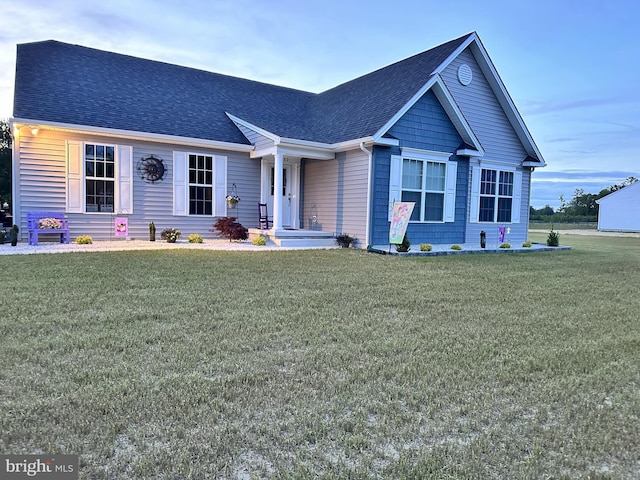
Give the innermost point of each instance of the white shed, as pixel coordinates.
(620, 210)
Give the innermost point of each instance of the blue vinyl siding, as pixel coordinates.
(425, 126)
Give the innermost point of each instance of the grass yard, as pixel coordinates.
(326, 364)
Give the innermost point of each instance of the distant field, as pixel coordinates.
(326, 364)
(563, 226)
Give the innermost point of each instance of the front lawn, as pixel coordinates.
(326, 364)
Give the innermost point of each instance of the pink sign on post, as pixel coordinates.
(122, 227)
(400, 220)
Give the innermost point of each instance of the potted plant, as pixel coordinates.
(344, 240)
(232, 200)
(170, 235)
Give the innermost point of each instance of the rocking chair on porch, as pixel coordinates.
(263, 218)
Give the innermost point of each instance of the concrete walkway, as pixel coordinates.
(121, 245)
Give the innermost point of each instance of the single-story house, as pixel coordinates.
(100, 135)
(620, 210)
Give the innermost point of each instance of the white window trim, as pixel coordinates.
(516, 197)
(77, 178)
(449, 192)
(181, 184)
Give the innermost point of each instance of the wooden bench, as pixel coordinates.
(33, 226)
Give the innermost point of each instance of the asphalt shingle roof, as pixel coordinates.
(71, 84)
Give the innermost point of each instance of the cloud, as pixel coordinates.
(531, 108)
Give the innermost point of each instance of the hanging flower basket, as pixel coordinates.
(232, 201)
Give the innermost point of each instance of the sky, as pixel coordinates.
(571, 67)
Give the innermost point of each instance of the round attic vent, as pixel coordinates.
(465, 75)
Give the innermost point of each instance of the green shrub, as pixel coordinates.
(259, 241)
(505, 245)
(84, 240)
(195, 238)
(553, 239)
(526, 244)
(404, 246)
(426, 247)
(456, 247)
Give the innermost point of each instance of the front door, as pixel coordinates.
(287, 200)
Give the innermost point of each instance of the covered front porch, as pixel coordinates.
(281, 184)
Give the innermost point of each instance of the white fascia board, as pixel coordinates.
(534, 164)
(133, 135)
(255, 128)
(421, 154)
(301, 149)
(449, 105)
(366, 141)
(467, 152)
(263, 152)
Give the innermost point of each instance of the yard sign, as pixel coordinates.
(400, 220)
(122, 227)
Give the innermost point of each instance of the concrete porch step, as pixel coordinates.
(296, 238)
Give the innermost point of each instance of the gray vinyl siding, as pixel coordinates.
(487, 119)
(336, 192)
(42, 184)
(483, 112)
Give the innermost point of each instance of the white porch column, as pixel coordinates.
(277, 191)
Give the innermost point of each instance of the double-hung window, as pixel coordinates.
(427, 178)
(200, 184)
(496, 195)
(99, 178)
(423, 182)
(99, 163)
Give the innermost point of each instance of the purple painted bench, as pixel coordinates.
(35, 227)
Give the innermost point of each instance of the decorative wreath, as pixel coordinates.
(151, 169)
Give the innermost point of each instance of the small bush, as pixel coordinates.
(526, 244)
(505, 245)
(456, 247)
(344, 240)
(84, 240)
(553, 239)
(195, 238)
(259, 241)
(404, 246)
(426, 247)
(170, 235)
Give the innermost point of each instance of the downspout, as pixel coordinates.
(370, 173)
